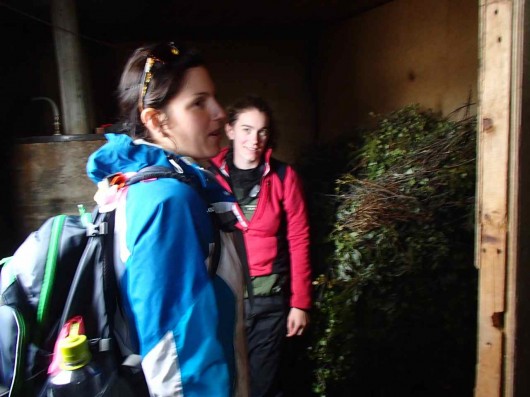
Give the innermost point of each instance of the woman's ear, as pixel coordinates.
(229, 131)
(150, 118)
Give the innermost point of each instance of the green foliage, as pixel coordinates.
(398, 302)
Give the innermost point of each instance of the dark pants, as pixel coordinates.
(266, 327)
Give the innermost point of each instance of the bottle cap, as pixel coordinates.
(74, 351)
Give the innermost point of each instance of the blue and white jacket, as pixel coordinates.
(189, 326)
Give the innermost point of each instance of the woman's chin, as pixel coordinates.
(212, 151)
(253, 158)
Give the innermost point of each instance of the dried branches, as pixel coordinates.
(406, 168)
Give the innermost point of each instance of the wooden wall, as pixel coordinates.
(50, 179)
(404, 52)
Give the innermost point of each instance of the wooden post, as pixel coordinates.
(75, 102)
(501, 27)
(492, 191)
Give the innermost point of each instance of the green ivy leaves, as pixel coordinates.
(403, 257)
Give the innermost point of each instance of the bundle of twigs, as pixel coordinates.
(403, 186)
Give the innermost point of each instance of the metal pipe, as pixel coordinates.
(56, 116)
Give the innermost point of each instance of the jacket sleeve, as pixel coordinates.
(185, 350)
(298, 238)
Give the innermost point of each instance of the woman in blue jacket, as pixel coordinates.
(188, 324)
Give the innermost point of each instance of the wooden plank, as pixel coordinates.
(514, 193)
(492, 192)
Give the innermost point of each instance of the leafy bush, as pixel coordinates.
(397, 314)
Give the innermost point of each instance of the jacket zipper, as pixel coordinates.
(262, 199)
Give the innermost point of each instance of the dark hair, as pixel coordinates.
(138, 90)
(250, 102)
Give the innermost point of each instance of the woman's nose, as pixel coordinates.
(253, 137)
(218, 111)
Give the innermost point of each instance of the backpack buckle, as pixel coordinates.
(97, 230)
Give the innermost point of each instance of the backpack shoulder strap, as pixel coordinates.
(156, 172)
(97, 257)
(279, 167)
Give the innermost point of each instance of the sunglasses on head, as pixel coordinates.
(162, 54)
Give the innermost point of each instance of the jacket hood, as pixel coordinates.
(122, 154)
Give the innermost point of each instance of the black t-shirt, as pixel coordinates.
(245, 185)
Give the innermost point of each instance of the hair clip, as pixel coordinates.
(174, 49)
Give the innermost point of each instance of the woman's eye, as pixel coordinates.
(263, 133)
(199, 102)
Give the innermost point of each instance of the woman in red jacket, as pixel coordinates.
(272, 215)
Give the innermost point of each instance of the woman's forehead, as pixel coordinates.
(197, 81)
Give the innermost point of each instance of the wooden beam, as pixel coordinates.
(76, 109)
(492, 192)
(518, 197)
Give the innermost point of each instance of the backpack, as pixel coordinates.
(66, 269)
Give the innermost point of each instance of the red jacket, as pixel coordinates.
(268, 250)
